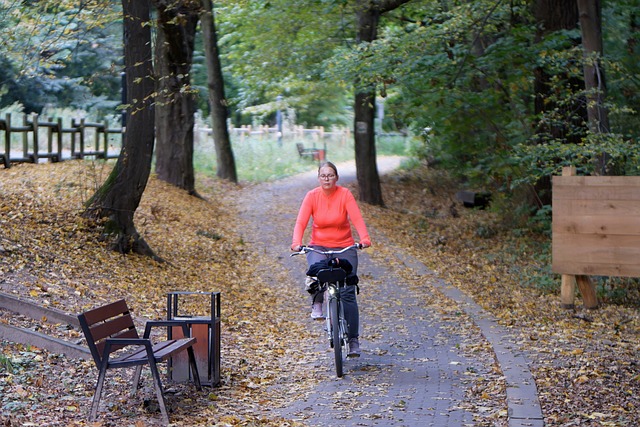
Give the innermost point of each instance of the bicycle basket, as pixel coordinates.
(332, 275)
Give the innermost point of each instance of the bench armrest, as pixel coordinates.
(119, 343)
(160, 323)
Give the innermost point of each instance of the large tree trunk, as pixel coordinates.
(594, 78)
(217, 101)
(175, 99)
(370, 192)
(120, 195)
(368, 14)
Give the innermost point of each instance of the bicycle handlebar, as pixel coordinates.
(306, 249)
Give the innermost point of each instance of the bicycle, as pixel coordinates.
(330, 281)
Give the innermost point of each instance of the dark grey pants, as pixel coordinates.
(348, 293)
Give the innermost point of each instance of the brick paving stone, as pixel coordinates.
(410, 374)
(412, 371)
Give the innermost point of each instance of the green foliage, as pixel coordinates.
(547, 159)
(287, 62)
(618, 290)
(394, 145)
(540, 222)
(19, 89)
(466, 71)
(442, 79)
(621, 57)
(60, 53)
(6, 364)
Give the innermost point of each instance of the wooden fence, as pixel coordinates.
(36, 139)
(316, 133)
(49, 139)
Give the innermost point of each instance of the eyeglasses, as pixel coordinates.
(326, 176)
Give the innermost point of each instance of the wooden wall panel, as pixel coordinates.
(596, 226)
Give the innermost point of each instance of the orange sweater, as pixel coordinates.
(331, 215)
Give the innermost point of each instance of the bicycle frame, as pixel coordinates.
(332, 280)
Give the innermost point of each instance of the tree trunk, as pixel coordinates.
(370, 190)
(217, 101)
(118, 198)
(594, 78)
(175, 99)
(368, 14)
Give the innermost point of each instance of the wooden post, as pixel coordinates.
(568, 287)
(73, 139)
(59, 130)
(106, 138)
(568, 291)
(49, 136)
(25, 137)
(588, 292)
(81, 128)
(7, 141)
(36, 145)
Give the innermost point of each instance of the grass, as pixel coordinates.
(265, 159)
(6, 365)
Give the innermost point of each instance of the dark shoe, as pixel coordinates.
(316, 311)
(354, 348)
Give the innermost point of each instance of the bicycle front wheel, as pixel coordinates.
(336, 335)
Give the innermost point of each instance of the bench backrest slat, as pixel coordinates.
(110, 321)
(111, 327)
(105, 312)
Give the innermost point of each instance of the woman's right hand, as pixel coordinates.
(296, 248)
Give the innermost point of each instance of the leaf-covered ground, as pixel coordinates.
(585, 363)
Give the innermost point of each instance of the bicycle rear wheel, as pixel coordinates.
(336, 335)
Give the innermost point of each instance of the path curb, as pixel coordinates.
(522, 395)
(35, 311)
(37, 339)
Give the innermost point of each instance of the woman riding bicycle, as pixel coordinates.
(332, 207)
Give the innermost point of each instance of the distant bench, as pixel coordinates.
(312, 153)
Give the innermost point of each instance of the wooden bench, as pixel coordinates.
(307, 152)
(110, 328)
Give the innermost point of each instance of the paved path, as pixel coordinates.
(419, 361)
